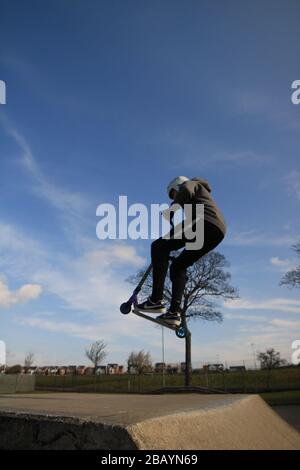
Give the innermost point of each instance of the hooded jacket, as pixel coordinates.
(198, 191)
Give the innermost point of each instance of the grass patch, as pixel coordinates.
(291, 397)
(251, 381)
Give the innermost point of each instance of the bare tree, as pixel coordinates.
(292, 278)
(141, 362)
(270, 359)
(96, 353)
(207, 281)
(29, 359)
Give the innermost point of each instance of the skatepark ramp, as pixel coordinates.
(150, 422)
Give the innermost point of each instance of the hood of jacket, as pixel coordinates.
(202, 181)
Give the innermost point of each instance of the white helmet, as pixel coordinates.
(175, 183)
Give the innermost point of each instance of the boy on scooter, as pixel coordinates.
(182, 191)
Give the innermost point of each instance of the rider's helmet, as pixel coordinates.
(175, 183)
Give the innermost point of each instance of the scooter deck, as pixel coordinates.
(154, 320)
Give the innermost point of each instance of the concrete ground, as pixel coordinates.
(290, 413)
(121, 421)
(120, 409)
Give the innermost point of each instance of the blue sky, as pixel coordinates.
(116, 98)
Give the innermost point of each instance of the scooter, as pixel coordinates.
(126, 307)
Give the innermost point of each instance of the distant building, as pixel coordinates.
(114, 369)
(213, 367)
(159, 367)
(89, 370)
(173, 368)
(101, 370)
(31, 370)
(42, 370)
(80, 370)
(71, 370)
(237, 368)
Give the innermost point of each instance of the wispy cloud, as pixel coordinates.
(289, 324)
(90, 284)
(245, 342)
(14, 239)
(256, 103)
(292, 182)
(198, 151)
(19, 296)
(255, 238)
(86, 331)
(278, 304)
(251, 318)
(274, 336)
(69, 202)
(122, 334)
(93, 281)
(89, 330)
(87, 288)
(17, 248)
(282, 265)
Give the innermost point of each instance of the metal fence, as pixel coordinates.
(12, 383)
(240, 381)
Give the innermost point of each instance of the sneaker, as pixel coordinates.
(151, 307)
(172, 318)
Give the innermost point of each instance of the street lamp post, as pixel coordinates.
(163, 355)
(254, 355)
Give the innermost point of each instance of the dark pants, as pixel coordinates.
(160, 252)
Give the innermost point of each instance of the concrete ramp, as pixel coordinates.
(150, 422)
(247, 423)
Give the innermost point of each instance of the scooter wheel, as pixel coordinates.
(181, 332)
(125, 308)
